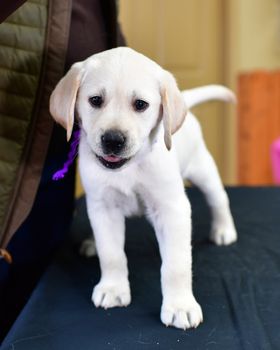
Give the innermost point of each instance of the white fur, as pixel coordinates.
(150, 183)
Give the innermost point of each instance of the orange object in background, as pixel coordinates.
(258, 125)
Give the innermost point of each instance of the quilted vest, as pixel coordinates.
(33, 45)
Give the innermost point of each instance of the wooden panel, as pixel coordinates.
(180, 51)
(258, 125)
(184, 36)
(140, 21)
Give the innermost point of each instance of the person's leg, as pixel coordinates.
(39, 236)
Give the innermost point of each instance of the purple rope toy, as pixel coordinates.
(58, 175)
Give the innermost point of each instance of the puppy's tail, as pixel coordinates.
(196, 96)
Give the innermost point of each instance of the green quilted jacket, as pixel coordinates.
(33, 48)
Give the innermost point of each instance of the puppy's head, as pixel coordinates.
(122, 98)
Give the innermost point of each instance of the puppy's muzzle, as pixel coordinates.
(113, 142)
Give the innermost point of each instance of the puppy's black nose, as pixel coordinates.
(112, 141)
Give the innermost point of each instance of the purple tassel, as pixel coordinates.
(71, 156)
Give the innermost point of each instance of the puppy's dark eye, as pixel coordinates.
(96, 101)
(140, 105)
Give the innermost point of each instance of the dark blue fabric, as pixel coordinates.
(35, 242)
(238, 288)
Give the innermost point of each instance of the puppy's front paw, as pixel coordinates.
(187, 314)
(111, 295)
(223, 235)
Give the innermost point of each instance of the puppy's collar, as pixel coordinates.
(58, 175)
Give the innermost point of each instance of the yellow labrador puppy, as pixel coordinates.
(130, 164)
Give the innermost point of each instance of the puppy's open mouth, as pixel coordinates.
(112, 162)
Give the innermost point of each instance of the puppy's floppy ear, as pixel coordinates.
(63, 98)
(173, 105)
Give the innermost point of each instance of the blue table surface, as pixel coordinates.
(237, 286)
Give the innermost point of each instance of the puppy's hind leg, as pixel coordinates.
(88, 248)
(109, 227)
(203, 173)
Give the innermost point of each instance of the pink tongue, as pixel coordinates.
(112, 159)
